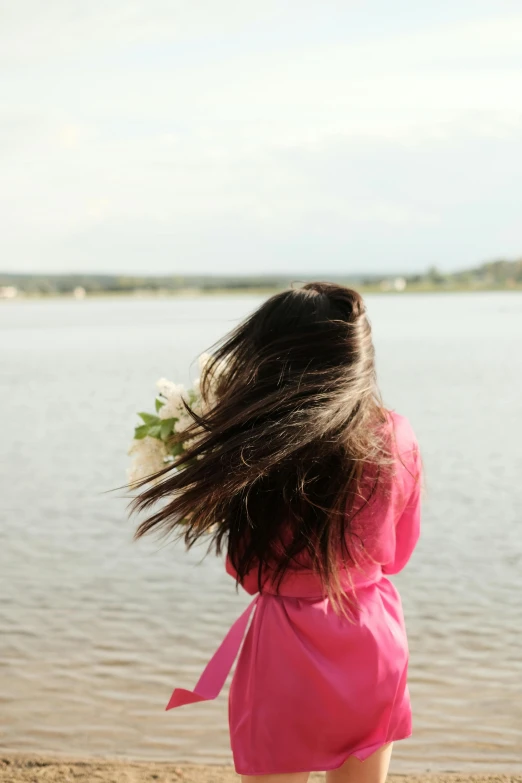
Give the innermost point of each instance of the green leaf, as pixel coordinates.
(166, 427)
(155, 431)
(148, 418)
(141, 432)
(158, 404)
(177, 449)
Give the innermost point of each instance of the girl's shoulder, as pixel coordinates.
(404, 434)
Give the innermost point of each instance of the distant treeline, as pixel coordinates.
(494, 274)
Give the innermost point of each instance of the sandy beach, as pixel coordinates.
(21, 768)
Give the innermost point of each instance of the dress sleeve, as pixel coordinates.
(407, 527)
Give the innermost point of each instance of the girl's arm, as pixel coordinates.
(407, 527)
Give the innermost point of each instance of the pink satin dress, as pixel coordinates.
(312, 687)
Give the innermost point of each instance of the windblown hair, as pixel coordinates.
(293, 445)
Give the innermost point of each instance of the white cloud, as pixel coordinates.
(193, 130)
(69, 136)
(35, 30)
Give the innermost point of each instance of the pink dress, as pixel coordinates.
(312, 687)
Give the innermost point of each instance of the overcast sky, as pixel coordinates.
(239, 136)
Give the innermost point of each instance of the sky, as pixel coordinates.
(233, 136)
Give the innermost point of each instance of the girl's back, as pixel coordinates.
(383, 533)
(312, 488)
(311, 687)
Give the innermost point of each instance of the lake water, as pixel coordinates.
(95, 630)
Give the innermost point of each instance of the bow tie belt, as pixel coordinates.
(301, 585)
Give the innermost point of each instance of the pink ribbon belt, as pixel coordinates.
(299, 585)
(217, 669)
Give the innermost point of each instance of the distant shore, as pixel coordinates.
(26, 768)
(198, 294)
(499, 275)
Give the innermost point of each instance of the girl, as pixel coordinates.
(312, 488)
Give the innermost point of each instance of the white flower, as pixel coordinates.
(217, 369)
(203, 361)
(148, 458)
(197, 404)
(169, 390)
(173, 394)
(184, 421)
(172, 409)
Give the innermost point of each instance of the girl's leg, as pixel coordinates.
(373, 770)
(292, 777)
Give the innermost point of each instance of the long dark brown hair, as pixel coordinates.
(294, 429)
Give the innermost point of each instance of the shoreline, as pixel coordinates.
(237, 292)
(33, 768)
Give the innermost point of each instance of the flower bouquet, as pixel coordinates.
(154, 446)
